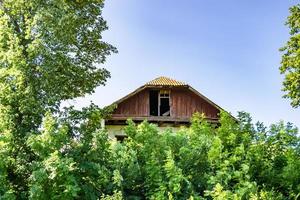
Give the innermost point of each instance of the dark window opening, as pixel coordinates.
(153, 97)
(121, 138)
(159, 103)
(164, 107)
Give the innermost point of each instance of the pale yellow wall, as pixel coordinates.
(119, 129)
(113, 130)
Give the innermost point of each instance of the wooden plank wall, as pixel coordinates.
(135, 106)
(183, 104)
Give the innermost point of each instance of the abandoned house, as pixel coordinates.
(164, 101)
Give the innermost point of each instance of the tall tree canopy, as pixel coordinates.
(49, 52)
(290, 63)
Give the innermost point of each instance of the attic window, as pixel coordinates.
(159, 103)
(153, 99)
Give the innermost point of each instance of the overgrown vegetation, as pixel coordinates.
(233, 161)
(73, 158)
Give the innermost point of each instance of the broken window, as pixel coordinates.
(164, 103)
(159, 102)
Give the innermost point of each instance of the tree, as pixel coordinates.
(49, 52)
(290, 63)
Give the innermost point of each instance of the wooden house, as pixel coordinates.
(167, 102)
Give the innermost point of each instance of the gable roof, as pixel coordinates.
(164, 81)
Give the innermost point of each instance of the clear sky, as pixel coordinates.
(227, 50)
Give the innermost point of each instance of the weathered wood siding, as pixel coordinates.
(183, 104)
(135, 106)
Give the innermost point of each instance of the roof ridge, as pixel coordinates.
(165, 81)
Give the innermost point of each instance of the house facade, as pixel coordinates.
(164, 101)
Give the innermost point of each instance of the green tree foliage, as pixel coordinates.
(72, 159)
(231, 161)
(290, 63)
(75, 159)
(49, 51)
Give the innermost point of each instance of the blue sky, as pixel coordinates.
(227, 50)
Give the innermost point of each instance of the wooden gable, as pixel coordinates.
(184, 101)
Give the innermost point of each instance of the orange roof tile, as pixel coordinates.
(164, 81)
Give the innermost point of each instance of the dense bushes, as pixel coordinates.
(232, 161)
(74, 159)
